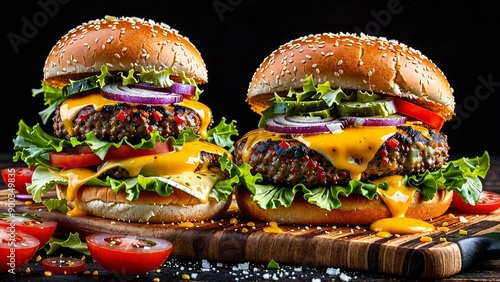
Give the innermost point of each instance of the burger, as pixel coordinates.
(130, 140)
(350, 133)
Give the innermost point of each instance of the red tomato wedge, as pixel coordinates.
(488, 202)
(416, 112)
(127, 254)
(40, 228)
(83, 155)
(63, 265)
(17, 178)
(16, 249)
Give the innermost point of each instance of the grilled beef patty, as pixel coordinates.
(414, 153)
(134, 122)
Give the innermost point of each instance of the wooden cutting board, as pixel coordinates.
(234, 238)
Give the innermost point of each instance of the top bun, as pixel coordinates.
(122, 44)
(355, 62)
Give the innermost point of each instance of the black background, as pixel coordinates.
(234, 36)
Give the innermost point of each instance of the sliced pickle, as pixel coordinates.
(299, 107)
(322, 113)
(373, 108)
(78, 86)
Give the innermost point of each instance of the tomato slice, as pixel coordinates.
(83, 156)
(127, 254)
(17, 178)
(63, 265)
(16, 248)
(70, 160)
(419, 113)
(488, 202)
(42, 229)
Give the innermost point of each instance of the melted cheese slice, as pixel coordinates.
(398, 199)
(351, 149)
(71, 107)
(179, 169)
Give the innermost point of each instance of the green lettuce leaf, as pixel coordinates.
(222, 134)
(53, 204)
(72, 242)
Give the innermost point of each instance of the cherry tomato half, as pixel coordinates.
(17, 178)
(419, 113)
(488, 202)
(42, 229)
(63, 265)
(24, 246)
(128, 254)
(84, 156)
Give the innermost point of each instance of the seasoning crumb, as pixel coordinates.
(425, 239)
(444, 229)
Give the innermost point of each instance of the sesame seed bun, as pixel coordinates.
(355, 209)
(355, 62)
(150, 207)
(122, 44)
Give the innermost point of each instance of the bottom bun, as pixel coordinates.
(355, 209)
(149, 207)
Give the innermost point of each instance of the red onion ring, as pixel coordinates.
(393, 120)
(127, 94)
(179, 88)
(303, 124)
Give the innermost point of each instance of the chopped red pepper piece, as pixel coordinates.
(179, 120)
(392, 142)
(84, 117)
(293, 170)
(121, 115)
(157, 116)
(311, 164)
(320, 172)
(383, 153)
(284, 144)
(384, 160)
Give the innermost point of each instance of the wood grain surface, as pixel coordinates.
(234, 238)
